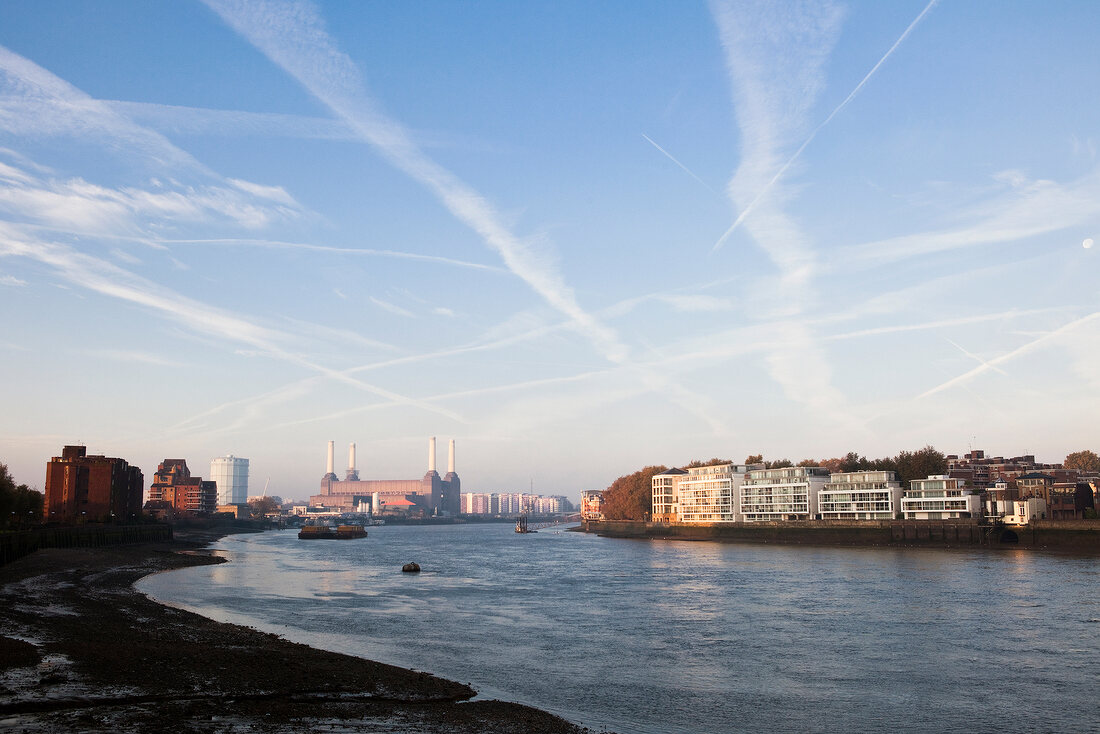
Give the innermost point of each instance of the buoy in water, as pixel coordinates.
(411, 568)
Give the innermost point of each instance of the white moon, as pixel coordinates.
(1087, 244)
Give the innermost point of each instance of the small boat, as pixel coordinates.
(327, 532)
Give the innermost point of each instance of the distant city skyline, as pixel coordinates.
(578, 238)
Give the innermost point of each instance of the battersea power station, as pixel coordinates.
(428, 496)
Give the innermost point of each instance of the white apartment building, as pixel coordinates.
(666, 508)
(709, 493)
(790, 493)
(939, 497)
(861, 495)
(230, 473)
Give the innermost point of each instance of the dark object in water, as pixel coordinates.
(411, 567)
(326, 532)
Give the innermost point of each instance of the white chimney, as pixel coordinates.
(451, 457)
(331, 456)
(431, 454)
(351, 457)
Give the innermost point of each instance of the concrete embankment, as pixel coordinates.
(1072, 535)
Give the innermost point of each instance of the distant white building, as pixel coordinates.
(861, 495)
(790, 493)
(1022, 512)
(231, 475)
(515, 503)
(939, 497)
(709, 493)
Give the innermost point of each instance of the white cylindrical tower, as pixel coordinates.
(374, 508)
(351, 457)
(431, 454)
(451, 457)
(331, 457)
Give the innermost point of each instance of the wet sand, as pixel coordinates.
(81, 650)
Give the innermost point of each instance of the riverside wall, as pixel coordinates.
(1072, 535)
(17, 544)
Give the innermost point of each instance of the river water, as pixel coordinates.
(660, 637)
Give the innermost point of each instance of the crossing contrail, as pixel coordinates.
(752, 205)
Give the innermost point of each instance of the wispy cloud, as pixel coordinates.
(11, 280)
(38, 103)
(126, 257)
(350, 251)
(135, 357)
(1030, 208)
(391, 307)
(293, 36)
(696, 303)
(184, 120)
(775, 56)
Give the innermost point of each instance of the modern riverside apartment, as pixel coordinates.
(861, 495)
(939, 497)
(708, 493)
(666, 507)
(790, 493)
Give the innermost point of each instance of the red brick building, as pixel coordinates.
(175, 491)
(91, 488)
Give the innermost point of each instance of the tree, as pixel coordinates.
(630, 497)
(918, 464)
(809, 462)
(709, 462)
(778, 464)
(1086, 462)
(263, 505)
(852, 461)
(19, 504)
(754, 459)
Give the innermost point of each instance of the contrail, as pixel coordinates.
(975, 357)
(687, 170)
(992, 364)
(752, 205)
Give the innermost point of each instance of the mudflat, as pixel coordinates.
(82, 651)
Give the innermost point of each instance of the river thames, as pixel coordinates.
(674, 636)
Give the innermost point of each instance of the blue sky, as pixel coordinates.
(578, 238)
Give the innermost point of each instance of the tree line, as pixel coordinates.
(20, 506)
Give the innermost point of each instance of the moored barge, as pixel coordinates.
(327, 532)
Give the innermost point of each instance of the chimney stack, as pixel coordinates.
(351, 457)
(431, 454)
(331, 456)
(451, 457)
